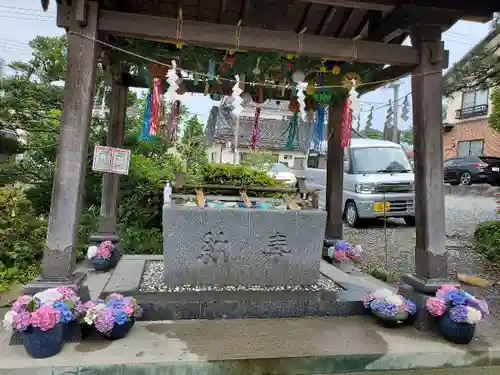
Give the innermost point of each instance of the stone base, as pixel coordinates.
(209, 304)
(97, 238)
(426, 286)
(72, 331)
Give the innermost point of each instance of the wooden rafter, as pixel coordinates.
(302, 24)
(215, 35)
(244, 10)
(352, 23)
(327, 19)
(382, 5)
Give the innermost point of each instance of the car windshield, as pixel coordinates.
(380, 160)
(279, 168)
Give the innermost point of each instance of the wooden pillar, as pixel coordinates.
(111, 181)
(69, 178)
(334, 176)
(427, 89)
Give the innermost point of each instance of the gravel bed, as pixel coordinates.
(152, 281)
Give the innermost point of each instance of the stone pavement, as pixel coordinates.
(255, 346)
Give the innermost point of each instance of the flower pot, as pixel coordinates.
(458, 333)
(106, 264)
(43, 344)
(395, 321)
(119, 331)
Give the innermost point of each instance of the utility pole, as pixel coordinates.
(395, 86)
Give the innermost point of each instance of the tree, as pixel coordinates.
(371, 133)
(192, 146)
(259, 159)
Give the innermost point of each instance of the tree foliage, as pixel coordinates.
(192, 146)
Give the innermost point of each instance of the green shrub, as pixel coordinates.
(487, 239)
(22, 238)
(227, 174)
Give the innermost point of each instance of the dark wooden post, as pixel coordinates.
(334, 176)
(431, 268)
(60, 253)
(111, 181)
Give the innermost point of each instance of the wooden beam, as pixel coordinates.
(222, 36)
(244, 9)
(352, 23)
(382, 5)
(303, 19)
(326, 20)
(391, 73)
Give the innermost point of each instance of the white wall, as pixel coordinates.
(218, 154)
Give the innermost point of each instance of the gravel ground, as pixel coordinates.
(462, 216)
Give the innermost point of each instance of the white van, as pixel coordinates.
(378, 182)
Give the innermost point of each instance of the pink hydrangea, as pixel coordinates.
(21, 303)
(105, 249)
(45, 318)
(68, 294)
(442, 292)
(435, 306)
(116, 295)
(340, 256)
(21, 321)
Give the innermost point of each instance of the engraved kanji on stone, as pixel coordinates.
(214, 249)
(277, 245)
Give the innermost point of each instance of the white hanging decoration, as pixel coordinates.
(298, 76)
(172, 77)
(353, 97)
(236, 96)
(301, 87)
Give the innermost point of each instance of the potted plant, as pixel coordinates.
(113, 317)
(103, 257)
(457, 312)
(343, 251)
(41, 319)
(390, 309)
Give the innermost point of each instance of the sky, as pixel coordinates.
(23, 20)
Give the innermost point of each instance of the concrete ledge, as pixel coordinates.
(481, 190)
(257, 346)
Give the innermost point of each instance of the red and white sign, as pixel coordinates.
(111, 160)
(346, 126)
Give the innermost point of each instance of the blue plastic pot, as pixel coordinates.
(106, 265)
(43, 344)
(120, 331)
(458, 333)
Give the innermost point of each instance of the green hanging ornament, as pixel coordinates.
(293, 132)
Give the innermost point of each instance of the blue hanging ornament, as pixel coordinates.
(146, 124)
(211, 69)
(318, 129)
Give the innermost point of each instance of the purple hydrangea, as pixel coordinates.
(458, 297)
(104, 320)
(459, 314)
(384, 308)
(410, 307)
(480, 305)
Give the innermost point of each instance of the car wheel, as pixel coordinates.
(466, 178)
(351, 215)
(410, 220)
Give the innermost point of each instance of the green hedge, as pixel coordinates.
(487, 239)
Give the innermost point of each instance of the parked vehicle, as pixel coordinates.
(378, 182)
(467, 170)
(282, 173)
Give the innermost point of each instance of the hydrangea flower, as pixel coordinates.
(473, 315)
(21, 303)
(442, 292)
(459, 314)
(8, 320)
(21, 321)
(48, 296)
(92, 252)
(66, 315)
(410, 307)
(480, 305)
(384, 308)
(435, 306)
(104, 320)
(45, 318)
(458, 297)
(121, 316)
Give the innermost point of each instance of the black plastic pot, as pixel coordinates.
(395, 321)
(43, 344)
(458, 333)
(120, 331)
(106, 265)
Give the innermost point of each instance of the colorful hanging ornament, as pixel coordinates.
(336, 70)
(346, 125)
(292, 140)
(211, 69)
(322, 68)
(348, 78)
(236, 96)
(298, 76)
(147, 119)
(155, 107)
(255, 128)
(231, 59)
(256, 70)
(311, 89)
(319, 128)
(173, 120)
(301, 86)
(172, 77)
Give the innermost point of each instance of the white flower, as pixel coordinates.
(48, 296)
(92, 313)
(92, 252)
(382, 293)
(8, 319)
(473, 315)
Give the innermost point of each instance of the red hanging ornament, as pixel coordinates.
(289, 66)
(255, 129)
(173, 120)
(278, 76)
(346, 125)
(224, 69)
(231, 59)
(156, 106)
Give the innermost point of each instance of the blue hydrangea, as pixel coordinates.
(66, 314)
(458, 297)
(121, 316)
(116, 303)
(384, 308)
(410, 307)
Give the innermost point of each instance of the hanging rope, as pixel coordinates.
(255, 128)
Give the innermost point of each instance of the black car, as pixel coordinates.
(468, 170)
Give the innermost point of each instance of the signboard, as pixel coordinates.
(111, 160)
